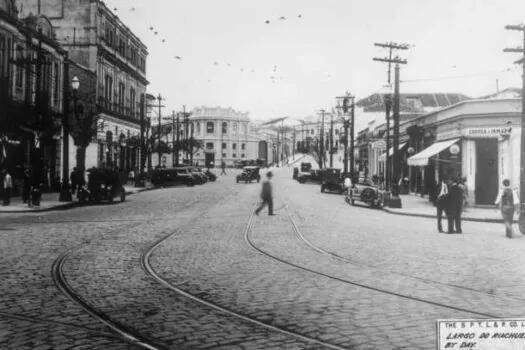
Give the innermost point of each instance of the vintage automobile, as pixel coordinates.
(311, 176)
(364, 191)
(102, 185)
(331, 180)
(249, 174)
(173, 176)
(200, 176)
(211, 175)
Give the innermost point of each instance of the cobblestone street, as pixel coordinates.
(192, 267)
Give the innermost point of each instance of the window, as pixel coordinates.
(198, 127)
(242, 155)
(122, 46)
(210, 127)
(108, 89)
(132, 102)
(56, 85)
(234, 128)
(336, 132)
(224, 128)
(243, 146)
(19, 77)
(142, 65)
(121, 94)
(209, 145)
(234, 146)
(312, 132)
(234, 155)
(224, 145)
(224, 155)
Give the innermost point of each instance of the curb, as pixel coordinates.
(65, 206)
(497, 221)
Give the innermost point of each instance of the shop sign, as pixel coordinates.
(488, 132)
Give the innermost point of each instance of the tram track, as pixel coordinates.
(122, 331)
(176, 288)
(298, 233)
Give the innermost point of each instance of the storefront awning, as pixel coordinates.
(421, 158)
(391, 151)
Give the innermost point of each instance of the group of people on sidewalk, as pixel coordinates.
(31, 187)
(452, 197)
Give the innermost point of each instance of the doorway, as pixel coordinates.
(486, 171)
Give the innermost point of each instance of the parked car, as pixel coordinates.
(200, 177)
(331, 180)
(364, 191)
(172, 176)
(211, 175)
(102, 185)
(249, 174)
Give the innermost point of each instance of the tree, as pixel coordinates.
(152, 144)
(190, 146)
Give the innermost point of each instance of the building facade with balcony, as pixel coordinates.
(31, 97)
(99, 41)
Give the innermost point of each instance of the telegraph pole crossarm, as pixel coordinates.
(521, 61)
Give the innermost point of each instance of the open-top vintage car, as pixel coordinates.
(331, 180)
(249, 174)
(364, 191)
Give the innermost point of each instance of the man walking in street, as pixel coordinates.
(507, 201)
(266, 195)
(441, 202)
(8, 187)
(223, 167)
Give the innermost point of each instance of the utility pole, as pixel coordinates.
(160, 127)
(331, 140)
(388, 107)
(397, 60)
(352, 130)
(186, 132)
(65, 193)
(142, 146)
(321, 146)
(178, 140)
(173, 138)
(521, 50)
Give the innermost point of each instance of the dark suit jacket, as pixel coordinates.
(266, 192)
(455, 200)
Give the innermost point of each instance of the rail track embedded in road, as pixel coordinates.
(125, 333)
(349, 282)
(145, 261)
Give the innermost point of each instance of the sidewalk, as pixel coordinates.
(50, 202)
(416, 206)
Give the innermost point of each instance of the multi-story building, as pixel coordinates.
(31, 96)
(226, 135)
(98, 40)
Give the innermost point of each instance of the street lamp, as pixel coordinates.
(65, 192)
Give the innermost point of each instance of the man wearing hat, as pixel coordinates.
(266, 195)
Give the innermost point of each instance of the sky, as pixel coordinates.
(321, 49)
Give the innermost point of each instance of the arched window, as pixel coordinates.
(224, 127)
(234, 128)
(210, 127)
(198, 128)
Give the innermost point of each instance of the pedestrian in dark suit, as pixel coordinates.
(455, 207)
(266, 195)
(441, 202)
